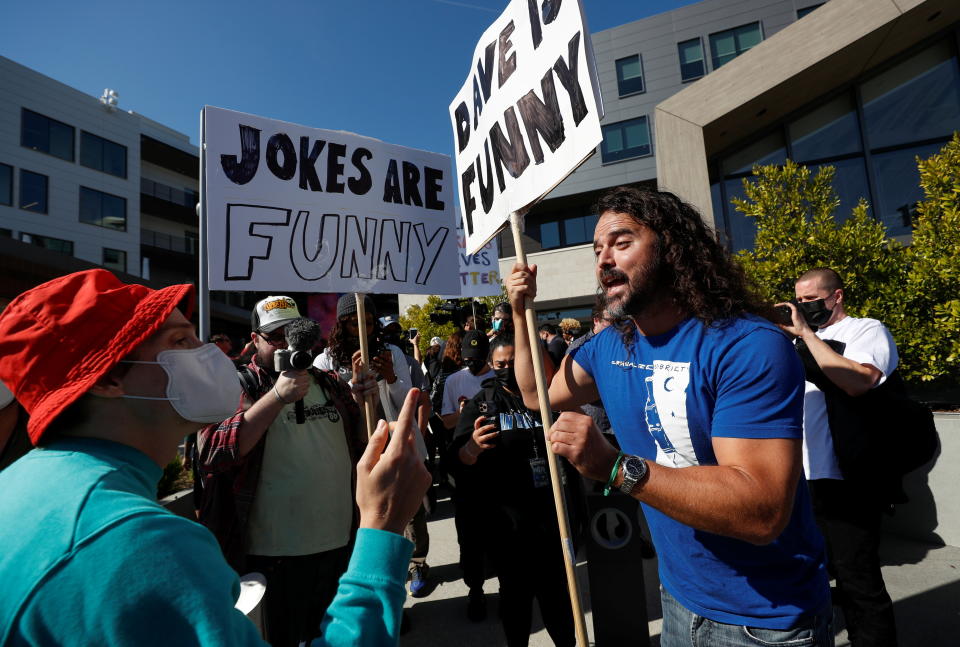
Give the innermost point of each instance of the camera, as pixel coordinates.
(292, 360)
(457, 311)
(783, 315)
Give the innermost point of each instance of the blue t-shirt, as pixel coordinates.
(666, 399)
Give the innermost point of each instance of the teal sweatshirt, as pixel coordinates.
(88, 557)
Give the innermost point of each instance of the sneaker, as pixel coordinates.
(418, 581)
(476, 605)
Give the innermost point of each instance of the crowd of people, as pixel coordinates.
(711, 408)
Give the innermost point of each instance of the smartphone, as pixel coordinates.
(490, 410)
(411, 333)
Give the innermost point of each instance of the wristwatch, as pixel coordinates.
(634, 469)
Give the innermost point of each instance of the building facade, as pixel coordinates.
(84, 183)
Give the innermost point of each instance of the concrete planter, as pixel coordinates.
(933, 513)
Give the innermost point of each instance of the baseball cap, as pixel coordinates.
(59, 338)
(435, 341)
(389, 320)
(475, 345)
(272, 313)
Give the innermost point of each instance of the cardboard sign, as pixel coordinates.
(527, 115)
(298, 209)
(480, 271)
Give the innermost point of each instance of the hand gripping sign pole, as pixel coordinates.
(530, 108)
(369, 407)
(546, 415)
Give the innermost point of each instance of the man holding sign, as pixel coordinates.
(706, 399)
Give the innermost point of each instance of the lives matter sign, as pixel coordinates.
(527, 115)
(303, 209)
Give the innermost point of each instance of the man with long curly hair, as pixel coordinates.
(706, 399)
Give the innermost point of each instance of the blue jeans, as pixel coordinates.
(683, 628)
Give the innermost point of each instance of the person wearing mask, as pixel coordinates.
(278, 495)
(389, 365)
(556, 347)
(468, 497)
(499, 443)
(502, 321)
(846, 358)
(118, 377)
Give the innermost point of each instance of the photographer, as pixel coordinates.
(277, 494)
(499, 444)
(846, 358)
(394, 381)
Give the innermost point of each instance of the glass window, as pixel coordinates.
(727, 45)
(803, 12)
(103, 155)
(33, 191)
(691, 59)
(741, 229)
(115, 259)
(6, 184)
(769, 150)
(45, 134)
(850, 183)
(103, 209)
(629, 75)
(828, 131)
(579, 230)
(625, 139)
(549, 234)
(898, 186)
(915, 100)
(46, 242)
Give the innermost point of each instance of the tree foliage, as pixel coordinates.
(913, 290)
(418, 316)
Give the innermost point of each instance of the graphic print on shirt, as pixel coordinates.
(665, 411)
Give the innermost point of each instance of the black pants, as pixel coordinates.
(299, 590)
(530, 567)
(471, 524)
(849, 517)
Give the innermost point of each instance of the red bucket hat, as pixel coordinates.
(59, 338)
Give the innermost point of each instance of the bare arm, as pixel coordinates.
(852, 377)
(571, 385)
(748, 495)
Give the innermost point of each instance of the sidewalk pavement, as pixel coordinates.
(923, 580)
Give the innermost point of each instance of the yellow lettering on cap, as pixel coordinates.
(279, 303)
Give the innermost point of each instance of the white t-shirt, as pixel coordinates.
(464, 384)
(304, 502)
(867, 342)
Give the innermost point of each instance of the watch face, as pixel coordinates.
(633, 467)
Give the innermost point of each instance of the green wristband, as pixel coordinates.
(613, 474)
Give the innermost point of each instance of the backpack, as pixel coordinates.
(879, 436)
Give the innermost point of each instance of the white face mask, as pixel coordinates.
(202, 383)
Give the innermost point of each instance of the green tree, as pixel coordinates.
(796, 231)
(913, 290)
(931, 335)
(418, 316)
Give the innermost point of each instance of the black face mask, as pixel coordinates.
(815, 313)
(393, 338)
(475, 365)
(507, 378)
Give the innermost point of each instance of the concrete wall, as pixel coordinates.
(933, 513)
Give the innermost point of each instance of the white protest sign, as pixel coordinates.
(527, 115)
(292, 208)
(480, 271)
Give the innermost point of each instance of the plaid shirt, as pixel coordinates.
(230, 480)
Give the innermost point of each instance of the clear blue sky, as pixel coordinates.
(386, 69)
